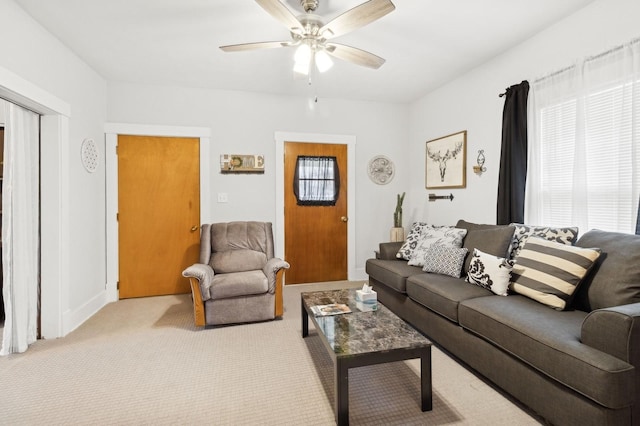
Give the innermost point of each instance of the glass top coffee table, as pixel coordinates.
(362, 338)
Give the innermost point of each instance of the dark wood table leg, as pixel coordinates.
(305, 320)
(425, 380)
(342, 393)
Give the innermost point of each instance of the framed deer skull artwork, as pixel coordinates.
(446, 162)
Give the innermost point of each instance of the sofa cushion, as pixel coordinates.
(490, 272)
(392, 273)
(615, 279)
(549, 341)
(412, 240)
(550, 272)
(238, 284)
(438, 235)
(445, 260)
(567, 235)
(491, 239)
(442, 293)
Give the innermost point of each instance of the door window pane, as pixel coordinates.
(316, 181)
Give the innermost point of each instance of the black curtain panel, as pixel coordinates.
(513, 156)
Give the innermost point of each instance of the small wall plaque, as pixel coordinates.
(241, 163)
(89, 154)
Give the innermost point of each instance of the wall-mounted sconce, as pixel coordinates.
(433, 197)
(479, 169)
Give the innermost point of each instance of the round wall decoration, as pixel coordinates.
(89, 155)
(381, 170)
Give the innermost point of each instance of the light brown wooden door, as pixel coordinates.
(315, 236)
(158, 213)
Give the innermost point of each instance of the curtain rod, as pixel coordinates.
(553, 74)
(588, 59)
(613, 49)
(507, 89)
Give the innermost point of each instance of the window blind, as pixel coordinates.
(586, 139)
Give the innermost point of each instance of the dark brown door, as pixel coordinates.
(158, 213)
(315, 236)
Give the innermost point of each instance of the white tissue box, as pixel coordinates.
(366, 297)
(367, 306)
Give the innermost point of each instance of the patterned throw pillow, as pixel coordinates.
(550, 272)
(490, 272)
(411, 242)
(440, 235)
(566, 235)
(445, 260)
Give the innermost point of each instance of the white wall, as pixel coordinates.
(31, 52)
(245, 123)
(471, 103)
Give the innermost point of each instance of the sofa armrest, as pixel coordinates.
(204, 274)
(388, 251)
(271, 269)
(274, 269)
(615, 331)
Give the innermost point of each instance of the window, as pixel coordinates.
(316, 181)
(585, 145)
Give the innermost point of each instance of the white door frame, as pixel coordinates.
(112, 130)
(350, 141)
(54, 203)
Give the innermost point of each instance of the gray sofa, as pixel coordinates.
(572, 367)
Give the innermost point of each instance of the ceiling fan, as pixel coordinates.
(312, 36)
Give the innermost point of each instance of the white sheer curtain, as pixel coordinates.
(584, 144)
(20, 227)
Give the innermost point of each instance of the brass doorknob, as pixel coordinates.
(194, 228)
(344, 219)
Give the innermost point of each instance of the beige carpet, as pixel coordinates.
(141, 361)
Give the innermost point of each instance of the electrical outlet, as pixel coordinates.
(222, 197)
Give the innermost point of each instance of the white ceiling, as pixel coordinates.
(175, 42)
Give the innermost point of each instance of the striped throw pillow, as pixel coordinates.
(550, 272)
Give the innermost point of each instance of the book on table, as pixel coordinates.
(330, 309)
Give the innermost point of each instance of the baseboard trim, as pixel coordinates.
(74, 319)
(359, 274)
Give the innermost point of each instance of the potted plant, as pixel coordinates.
(397, 232)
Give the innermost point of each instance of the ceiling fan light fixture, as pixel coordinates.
(323, 61)
(303, 53)
(302, 59)
(301, 68)
(311, 34)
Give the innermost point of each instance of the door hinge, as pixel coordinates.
(116, 149)
(117, 285)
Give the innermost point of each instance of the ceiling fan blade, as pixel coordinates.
(253, 46)
(354, 55)
(279, 11)
(357, 17)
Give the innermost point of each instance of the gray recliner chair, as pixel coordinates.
(237, 279)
